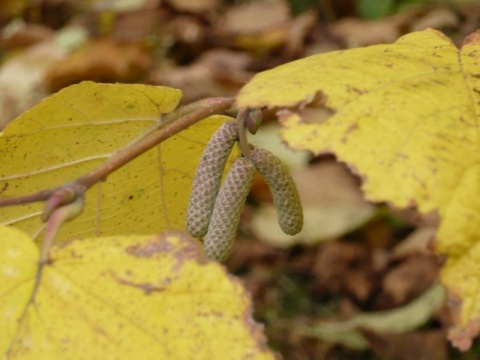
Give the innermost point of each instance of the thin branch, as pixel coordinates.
(174, 126)
(42, 195)
(173, 123)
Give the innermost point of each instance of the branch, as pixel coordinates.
(201, 110)
(178, 120)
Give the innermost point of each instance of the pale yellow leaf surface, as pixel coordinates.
(125, 297)
(75, 130)
(405, 116)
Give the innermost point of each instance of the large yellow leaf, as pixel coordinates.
(405, 116)
(78, 128)
(129, 297)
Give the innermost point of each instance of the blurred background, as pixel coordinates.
(359, 282)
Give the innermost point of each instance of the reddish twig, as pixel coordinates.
(172, 124)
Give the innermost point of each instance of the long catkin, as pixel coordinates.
(222, 230)
(208, 176)
(283, 188)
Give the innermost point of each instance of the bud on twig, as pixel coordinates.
(253, 120)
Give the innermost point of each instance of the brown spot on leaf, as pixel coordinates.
(147, 287)
(351, 128)
(353, 89)
(5, 187)
(149, 249)
(187, 249)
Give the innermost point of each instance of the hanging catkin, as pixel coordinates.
(283, 188)
(208, 176)
(222, 230)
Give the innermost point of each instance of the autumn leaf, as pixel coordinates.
(405, 116)
(99, 60)
(125, 297)
(20, 78)
(75, 130)
(400, 320)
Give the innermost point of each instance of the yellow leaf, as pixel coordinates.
(405, 116)
(18, 266)
(129, 297)
(75, 130)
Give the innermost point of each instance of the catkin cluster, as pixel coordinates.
(214, 209)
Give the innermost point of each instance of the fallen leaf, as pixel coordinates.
(215, 73)
(17, 34)
(247, 27)
(421, 344)
(410, 278)
(416, 243)
(188, 30)
(357, 32)
(345, 268)
(249, 18)
(405, 118)
(366, 328)
(21, 78)
(399, 320)
(436, 19)
(350, 338)
(147, 297)
(121, 5)
(194, 6)
(139, 25)
(297, 31)
(102, 60)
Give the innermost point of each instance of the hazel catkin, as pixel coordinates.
(283, 188)
(208, 176)
(222, 229)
